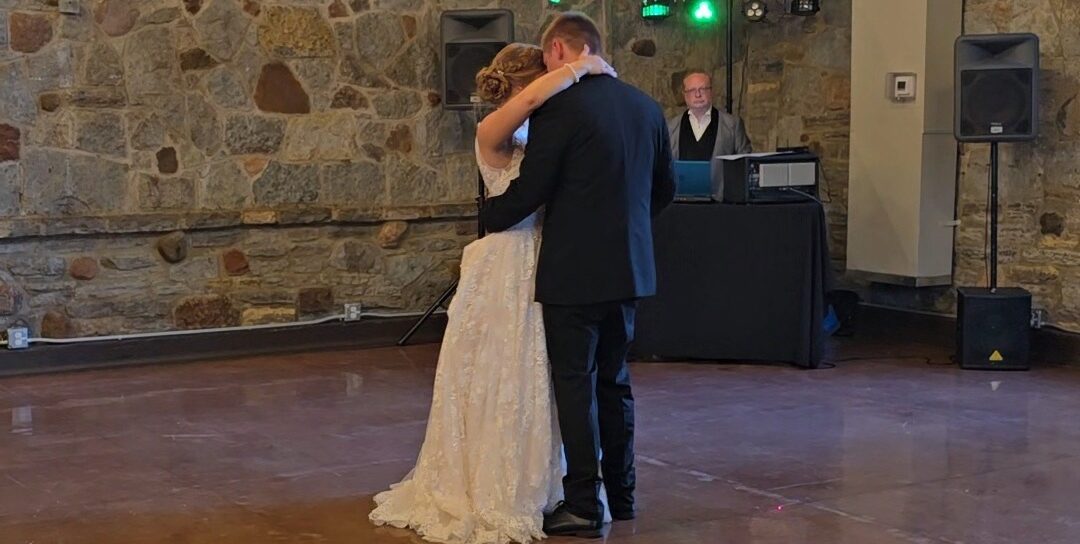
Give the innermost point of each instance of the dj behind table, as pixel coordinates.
(742, 263)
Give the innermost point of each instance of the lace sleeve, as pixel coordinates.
(489, 172)
(498, 179)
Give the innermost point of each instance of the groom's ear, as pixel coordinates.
(552, 50)
(558, 49)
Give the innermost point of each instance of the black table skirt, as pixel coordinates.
(738, 282)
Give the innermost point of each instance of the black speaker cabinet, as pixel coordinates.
(997, 79)
(470, 39)
(993, 328)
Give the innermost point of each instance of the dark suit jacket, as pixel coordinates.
(599, 160)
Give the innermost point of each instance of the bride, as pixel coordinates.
(491, 461)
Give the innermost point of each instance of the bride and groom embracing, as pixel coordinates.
(586, 157)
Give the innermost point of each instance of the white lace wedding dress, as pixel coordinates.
(491, 460)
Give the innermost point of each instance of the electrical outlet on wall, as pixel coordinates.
(70, 7)
(353, 312)
(1038, 318)
(18, 338)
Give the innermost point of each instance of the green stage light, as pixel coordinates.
(703, 11)
(655, 9)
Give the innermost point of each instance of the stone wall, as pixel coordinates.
(1040, 181)
(792, 84)
(1039, 229)
(105, 284)
(792, 88)
(196, 163)
(190, 163)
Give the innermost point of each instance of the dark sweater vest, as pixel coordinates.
(692, 149)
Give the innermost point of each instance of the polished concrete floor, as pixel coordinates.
(891, 446)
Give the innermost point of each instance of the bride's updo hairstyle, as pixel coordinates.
(517, 65)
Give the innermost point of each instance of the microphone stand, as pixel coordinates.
(481, 194)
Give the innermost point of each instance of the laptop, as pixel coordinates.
(693, 181)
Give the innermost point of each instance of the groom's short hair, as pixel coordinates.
(577, 30)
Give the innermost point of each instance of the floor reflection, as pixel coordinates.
(292, 448)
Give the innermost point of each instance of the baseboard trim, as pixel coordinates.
(1049, 347)
(368, 333)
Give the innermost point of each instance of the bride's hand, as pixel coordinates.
(593, 65)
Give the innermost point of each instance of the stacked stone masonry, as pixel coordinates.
(193, 163)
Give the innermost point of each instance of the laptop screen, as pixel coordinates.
(693, 178)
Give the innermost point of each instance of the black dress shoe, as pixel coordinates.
(621, 505)
(563, 523)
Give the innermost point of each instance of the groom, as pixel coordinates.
(599, 160)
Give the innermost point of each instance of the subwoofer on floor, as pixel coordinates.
(997, 87)
(470, 39)
(993, 328)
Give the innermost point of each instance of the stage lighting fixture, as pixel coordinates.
(652, 10)
(805, 7)
(703, 12)
(755, 10)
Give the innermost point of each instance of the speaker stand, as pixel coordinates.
(481, 193)
(453, 286)
(992, 323)
(427, 313)
(729, 75)
(993, 211)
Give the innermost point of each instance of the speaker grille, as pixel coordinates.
(470, 39)
(463, 61)
(993, 328)
(996, 103)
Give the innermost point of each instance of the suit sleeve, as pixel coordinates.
(742, 141)
(663, 186)
(539, 175)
